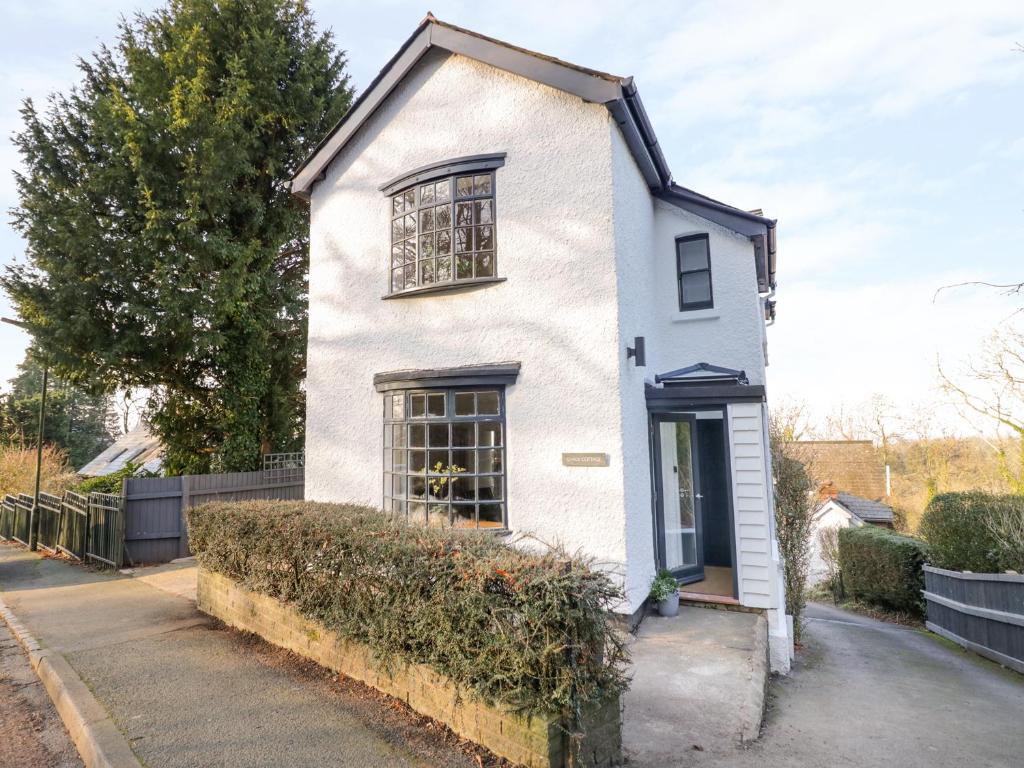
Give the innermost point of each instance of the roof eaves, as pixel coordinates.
(310, 171)
(589, 84)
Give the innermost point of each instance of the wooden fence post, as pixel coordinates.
(182, 522)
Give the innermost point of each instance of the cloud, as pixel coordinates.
(880, 59)
(835, 345)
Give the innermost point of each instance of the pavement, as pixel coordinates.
(869, 694)
(699, 678)
(185, 691)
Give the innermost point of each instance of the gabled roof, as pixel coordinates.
(618, 94)
(861, 508)
(138, 447)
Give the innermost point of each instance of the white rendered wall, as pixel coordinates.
(589, 257)
(730, 334)
(555, 314)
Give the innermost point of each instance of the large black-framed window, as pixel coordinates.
(693, 272)
(443, 231)
(444, 456)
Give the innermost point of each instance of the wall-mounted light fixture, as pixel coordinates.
(637, 351)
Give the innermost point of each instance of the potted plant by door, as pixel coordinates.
(665, 592)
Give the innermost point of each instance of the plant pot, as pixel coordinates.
(669, 606)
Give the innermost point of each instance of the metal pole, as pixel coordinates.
(33, 521)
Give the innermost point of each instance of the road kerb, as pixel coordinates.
(97, 738)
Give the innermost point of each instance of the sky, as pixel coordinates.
(887, 138)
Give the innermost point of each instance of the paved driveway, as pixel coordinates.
(867, 694)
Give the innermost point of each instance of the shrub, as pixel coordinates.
(1007, 526)
(663, 586)
(113, 482)
(18, 470)
(532, 631)
(882, 567)
(959, 529)
(793, 513)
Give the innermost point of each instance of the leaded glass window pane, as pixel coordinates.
(452, 473)
(427, 223)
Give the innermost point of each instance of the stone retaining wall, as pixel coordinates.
(536, 742)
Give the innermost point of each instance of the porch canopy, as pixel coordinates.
(702, 383)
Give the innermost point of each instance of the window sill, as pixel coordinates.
(694, 315)
(455, 287)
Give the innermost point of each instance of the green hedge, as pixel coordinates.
(882, 567)
(532, 631)
(955, 525)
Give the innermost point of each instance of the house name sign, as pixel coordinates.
(585, 459)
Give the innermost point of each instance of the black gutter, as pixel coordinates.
(639, 115)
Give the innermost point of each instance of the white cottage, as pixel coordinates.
(519, 322)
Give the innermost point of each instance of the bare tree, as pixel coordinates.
(996, 393)
(828, 546)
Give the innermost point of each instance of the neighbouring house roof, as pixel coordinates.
(864, 509)
(618, 94)
(138, 447)
(849, 466)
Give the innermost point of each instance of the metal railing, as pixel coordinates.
(7, 517)
(85, 527)
(22, 518)
(106, 529)
(50, 517)
(75, 533)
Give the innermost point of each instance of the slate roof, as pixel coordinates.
(850, 466)
(618, 94)
(867, 510)
(138, 447)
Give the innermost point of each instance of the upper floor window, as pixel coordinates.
(443, 225)
(693, 270)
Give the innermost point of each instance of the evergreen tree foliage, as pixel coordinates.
(164, 250)
(77, 421)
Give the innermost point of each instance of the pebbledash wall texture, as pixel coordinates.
(555, 313)
(588, 254)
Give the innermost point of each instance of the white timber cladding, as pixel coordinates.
(751, 486)
(555, 313)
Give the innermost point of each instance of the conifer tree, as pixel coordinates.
(164, 250)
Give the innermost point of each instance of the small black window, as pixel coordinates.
(444, 456)
(442, 232)
(693, 265)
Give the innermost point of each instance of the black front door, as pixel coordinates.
(677, 482)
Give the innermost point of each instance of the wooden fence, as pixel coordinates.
(146, 523)
(983, 612)
(155, 506)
